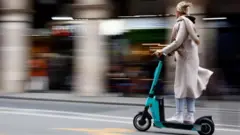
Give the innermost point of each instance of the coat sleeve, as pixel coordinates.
(181, 35)
(191, 29)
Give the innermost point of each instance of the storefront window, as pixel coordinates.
(132, 66)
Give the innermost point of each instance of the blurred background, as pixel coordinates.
(92, 47)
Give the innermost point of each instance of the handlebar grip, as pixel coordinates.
(161, 58)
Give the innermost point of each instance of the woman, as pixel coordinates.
(190, 79)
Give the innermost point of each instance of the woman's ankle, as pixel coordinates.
(190, 113)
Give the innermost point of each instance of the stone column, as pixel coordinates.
(15, 19)
(90, 52)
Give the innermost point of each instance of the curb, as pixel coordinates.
(80, 101)
(115, 103)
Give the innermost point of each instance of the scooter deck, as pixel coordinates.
(182, 126)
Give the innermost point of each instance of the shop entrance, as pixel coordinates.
(60, 69)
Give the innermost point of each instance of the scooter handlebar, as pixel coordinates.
(162, 57)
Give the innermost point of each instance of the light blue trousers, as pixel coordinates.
(180, 104)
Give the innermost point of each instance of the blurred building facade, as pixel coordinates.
(91, 51)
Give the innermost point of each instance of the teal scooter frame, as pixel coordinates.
(143, 120)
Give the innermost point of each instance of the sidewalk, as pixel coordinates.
(117, 100)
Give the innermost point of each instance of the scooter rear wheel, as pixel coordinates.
(207, 128)
(147, 124)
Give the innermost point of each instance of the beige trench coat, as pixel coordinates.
(190, 79)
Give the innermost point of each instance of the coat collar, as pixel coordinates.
(181, 18)
(189, 26)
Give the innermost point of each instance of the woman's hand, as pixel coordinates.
(197, 42)
(158, 53)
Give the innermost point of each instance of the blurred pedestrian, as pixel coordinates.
(190, 79)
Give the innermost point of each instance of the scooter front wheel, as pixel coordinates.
(142, 126)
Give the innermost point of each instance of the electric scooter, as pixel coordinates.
(143, 120)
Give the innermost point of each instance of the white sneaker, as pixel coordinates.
(189, 118)
(178, 117)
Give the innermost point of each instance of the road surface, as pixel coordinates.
(23, 117)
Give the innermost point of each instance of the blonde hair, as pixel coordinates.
(183, 6)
